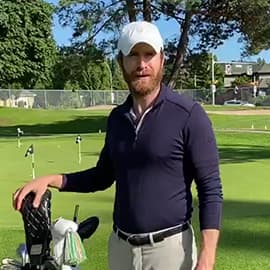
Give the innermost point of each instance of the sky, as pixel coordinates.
(229, 51)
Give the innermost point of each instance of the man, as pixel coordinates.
(156, 143)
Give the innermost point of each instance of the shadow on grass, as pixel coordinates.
(245, 226)
(243, 153)
(79, 125)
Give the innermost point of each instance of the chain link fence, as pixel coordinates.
(47, 99)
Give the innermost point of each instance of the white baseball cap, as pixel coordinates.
(137, 32)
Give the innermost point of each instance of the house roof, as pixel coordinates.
(264, 68)
(239, 69)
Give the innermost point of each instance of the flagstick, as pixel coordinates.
(19, 141)
(30, 151)
(79, 150)
(19, 133)
(78, 141)
(33, 166)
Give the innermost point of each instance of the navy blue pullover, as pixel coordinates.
(155, 166)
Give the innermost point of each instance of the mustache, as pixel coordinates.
(141, 74)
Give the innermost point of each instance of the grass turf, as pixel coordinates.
(245, 240)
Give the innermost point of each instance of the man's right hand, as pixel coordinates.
(38, 186)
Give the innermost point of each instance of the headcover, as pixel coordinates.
(37, 222)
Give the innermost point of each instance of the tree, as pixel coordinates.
(196, 73)
(68, 69)
(254, 25)
(118, 80)
(27, 48)
(93, 77)
(211, 22)
(200, 71)
(72, 64)
(243, 81)
(85, 68)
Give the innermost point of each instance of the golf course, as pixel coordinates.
(244, 146)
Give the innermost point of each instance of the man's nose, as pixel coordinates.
(141, 62)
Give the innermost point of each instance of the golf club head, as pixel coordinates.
(88, 227)
(51, 264)
(22, 253)
(37, 222)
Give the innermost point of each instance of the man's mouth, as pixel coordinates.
(142, 75)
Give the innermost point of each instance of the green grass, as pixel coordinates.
(233, 108)
(245, 159)
(240, 122)
(50, 122)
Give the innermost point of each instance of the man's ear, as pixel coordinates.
(162, 56)
(119, 59)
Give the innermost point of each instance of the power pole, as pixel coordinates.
(213, 83)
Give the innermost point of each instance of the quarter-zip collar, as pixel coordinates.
(125, 107)
(138, 122)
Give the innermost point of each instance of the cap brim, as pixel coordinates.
(127, 51)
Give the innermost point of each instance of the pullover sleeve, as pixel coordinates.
(93, 179)
(203, 153)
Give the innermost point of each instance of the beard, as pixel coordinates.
(140, 87)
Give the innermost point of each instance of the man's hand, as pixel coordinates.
(206, 260)
(38, 186)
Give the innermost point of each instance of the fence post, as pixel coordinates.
(9, 96)
(45, 99)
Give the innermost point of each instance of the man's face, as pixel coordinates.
(142, 69)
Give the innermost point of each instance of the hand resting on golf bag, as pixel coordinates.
(38, 186)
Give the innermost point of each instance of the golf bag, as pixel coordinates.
(40, 235)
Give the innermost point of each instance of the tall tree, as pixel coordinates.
(199, 70)
(131, 10)
(147, 13)
(85, 69)
(209, 21)
(118, 80)
(27, 48)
